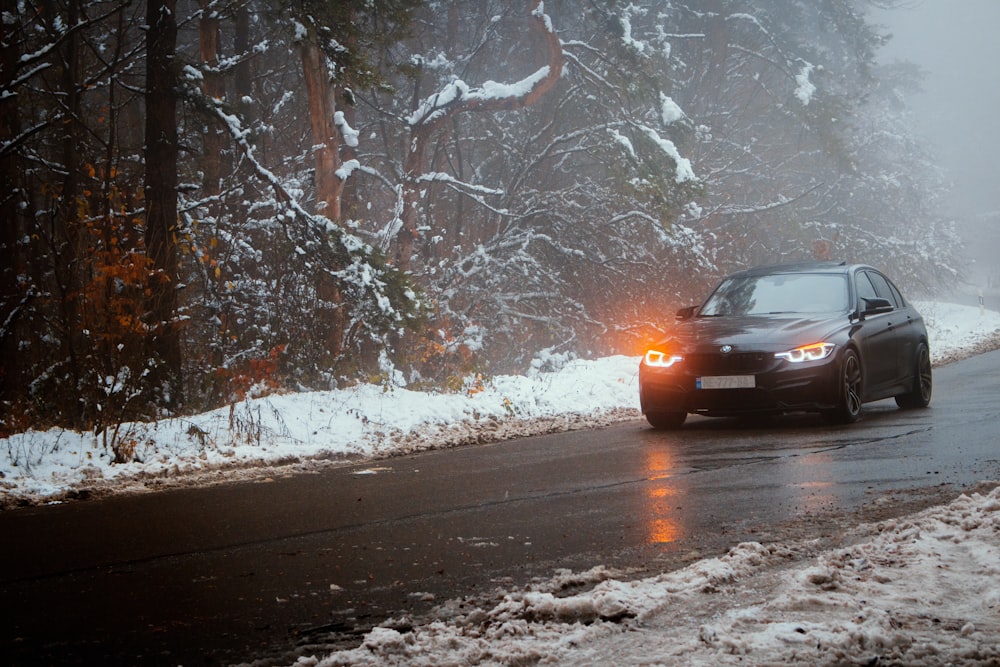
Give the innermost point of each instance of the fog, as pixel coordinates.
(955, 43)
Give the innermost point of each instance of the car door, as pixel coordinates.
(904, 326)
(878, 340)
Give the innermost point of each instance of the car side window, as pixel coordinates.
(865, 289)
(882, 287)
(899, 296)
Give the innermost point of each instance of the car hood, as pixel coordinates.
(771, 333)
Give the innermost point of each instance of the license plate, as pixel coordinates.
(726, 382)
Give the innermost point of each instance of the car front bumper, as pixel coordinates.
(780, 386)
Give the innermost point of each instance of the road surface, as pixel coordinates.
(285, 566)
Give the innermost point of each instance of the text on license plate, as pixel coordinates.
(726, 382)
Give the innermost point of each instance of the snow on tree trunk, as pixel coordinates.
(458, 98)
(328, 179)
(325, 145)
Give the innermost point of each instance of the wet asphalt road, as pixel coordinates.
(238, 572)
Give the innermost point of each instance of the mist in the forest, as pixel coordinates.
(955, 43)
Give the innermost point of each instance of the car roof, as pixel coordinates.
(800, 267)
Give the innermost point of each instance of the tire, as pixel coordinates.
(851, 381)
(666, 421)
(923, 382)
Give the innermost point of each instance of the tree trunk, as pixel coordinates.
(324, 133)
(244, 96)
(214, 87)
(329, 186)
(161, 201)
(13, 297)
(243, 75)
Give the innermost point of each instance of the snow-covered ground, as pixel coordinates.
(923, 590)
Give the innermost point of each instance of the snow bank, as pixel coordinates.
(957, 331)
(367, 421)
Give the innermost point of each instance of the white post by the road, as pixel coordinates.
(982, 305)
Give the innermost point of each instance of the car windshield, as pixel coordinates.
(797, 293)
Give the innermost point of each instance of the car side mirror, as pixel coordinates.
(686, 313)
(875, 306)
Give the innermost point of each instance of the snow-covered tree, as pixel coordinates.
(440, 186)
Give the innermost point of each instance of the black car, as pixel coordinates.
(819, 337)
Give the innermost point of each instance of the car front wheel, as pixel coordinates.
(666, 421)
(920, 395)
(848, 408)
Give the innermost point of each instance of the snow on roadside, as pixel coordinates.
(957, 332)
(922, 590)
(366, 422)
(362, 422)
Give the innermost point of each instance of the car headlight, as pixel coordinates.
(813, 352)
(662, 359)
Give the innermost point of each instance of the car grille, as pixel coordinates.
(726, 364)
